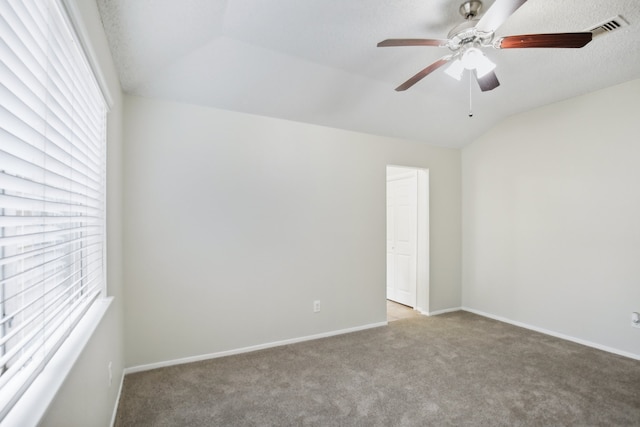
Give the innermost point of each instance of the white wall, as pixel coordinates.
(235, 223)
(85, 398)
(551, 218)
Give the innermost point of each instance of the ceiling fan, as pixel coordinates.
(466, 40)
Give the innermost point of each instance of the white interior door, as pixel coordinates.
(402, 196)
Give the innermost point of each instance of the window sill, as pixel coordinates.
(33, 404)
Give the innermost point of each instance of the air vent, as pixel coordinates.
(612, 24)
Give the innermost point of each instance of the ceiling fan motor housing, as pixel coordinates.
(466, 33)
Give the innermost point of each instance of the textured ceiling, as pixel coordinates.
(316, 61)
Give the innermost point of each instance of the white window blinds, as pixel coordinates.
(52, 188)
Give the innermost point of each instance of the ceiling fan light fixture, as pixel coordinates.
(484, 66)
(471, 59)
(455, 70)
(474, 59)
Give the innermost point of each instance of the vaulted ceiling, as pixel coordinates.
(316, 61)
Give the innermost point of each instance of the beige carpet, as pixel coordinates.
(456, 369)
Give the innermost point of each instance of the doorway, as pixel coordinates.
(408, 237)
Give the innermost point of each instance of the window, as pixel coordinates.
(52, 188)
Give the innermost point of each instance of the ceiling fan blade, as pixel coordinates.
(561, 40)
(413, 42)
(422, 74)
(487, 82)
(497, 14)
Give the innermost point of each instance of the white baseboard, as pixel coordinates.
(191, 359)
(554, 334)
(446, 310)
(115, 408)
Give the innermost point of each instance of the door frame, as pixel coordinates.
(422, 238)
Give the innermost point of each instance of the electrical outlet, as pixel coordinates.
(109, 368)
(316, 306)
(635, 319)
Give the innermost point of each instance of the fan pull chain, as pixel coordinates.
(470, 103)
